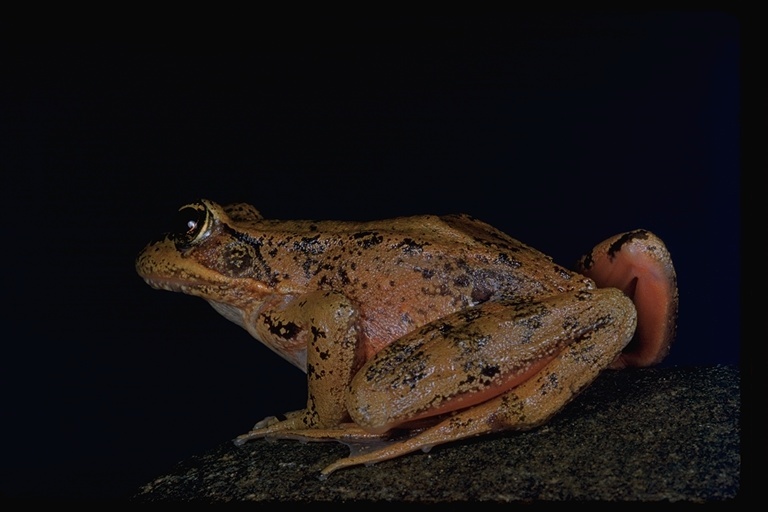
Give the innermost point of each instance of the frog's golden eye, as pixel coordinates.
(192, 221)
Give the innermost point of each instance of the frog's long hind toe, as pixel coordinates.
(348, 433)
(369, 452)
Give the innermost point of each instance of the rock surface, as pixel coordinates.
(653, 434)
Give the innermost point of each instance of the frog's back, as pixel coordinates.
(458, 254)
(409, 271)
(506, 267)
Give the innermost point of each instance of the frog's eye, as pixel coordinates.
(192, 222)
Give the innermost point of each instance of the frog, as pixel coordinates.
(419, 330)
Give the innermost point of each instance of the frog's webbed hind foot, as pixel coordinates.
(452, 427)
(364, 447)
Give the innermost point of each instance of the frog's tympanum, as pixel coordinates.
(419, 330)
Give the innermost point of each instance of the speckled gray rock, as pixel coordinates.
(652, 434)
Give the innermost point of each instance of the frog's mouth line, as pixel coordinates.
(173, 285)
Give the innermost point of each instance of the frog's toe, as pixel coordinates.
(266, 422)
(244, 438)
(268, 433)
(273, 427)
(370, 451)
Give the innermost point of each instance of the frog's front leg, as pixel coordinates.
(499, 365)
(330, 322)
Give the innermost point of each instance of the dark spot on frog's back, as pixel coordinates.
(616, 246)
(481, 293)
(506, 259)
(562, 272)
(309, 245)
(411, 247)
(462, 281)
(367, 239)
(343, 276)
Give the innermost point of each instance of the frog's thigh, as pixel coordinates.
(471, 356)
(534, 401)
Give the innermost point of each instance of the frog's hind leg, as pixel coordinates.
(529, 404)
(638, 263)
(360, 442)
(294, 427)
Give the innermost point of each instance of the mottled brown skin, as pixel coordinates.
(443, 325)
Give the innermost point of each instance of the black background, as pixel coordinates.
(560, 129)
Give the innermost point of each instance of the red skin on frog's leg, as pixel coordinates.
(639, 264)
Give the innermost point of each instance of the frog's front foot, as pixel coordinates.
(256, 433)
(272, 426)
(262, 430)
(242, 439)
(266, 422)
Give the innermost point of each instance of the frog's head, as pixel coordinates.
(211, 255)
